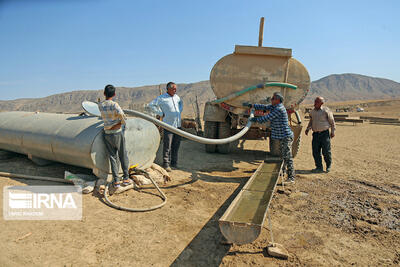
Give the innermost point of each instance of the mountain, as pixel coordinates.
(348, 86)
(336, 87)
(130, 98)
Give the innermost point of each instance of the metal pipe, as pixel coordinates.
(261, 32)
(297, 116)
(34, 177)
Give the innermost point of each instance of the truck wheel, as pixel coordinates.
(224, 131)
(210, 131)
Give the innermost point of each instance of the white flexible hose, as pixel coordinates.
(187, 135)
(111, 204)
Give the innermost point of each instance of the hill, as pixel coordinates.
(131, 98)
(348, 86)
(336, 87)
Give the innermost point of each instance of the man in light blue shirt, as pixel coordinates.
(169, 106)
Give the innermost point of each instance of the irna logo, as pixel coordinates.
(41, 200)
(42, 203)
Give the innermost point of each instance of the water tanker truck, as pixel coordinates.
(252, 74)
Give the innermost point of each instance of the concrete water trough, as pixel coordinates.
(243, 220)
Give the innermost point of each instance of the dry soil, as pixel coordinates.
(350, 216)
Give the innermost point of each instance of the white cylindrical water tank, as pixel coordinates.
(75, 140)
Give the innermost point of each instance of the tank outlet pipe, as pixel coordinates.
(297, 116)
(33, 177)
(192, 137)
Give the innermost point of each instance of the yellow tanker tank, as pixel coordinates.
(252, 74)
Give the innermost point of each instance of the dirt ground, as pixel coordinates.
(350, 216)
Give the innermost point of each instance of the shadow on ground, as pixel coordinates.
(54, 169)
(207, 248)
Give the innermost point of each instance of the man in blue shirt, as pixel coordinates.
(169, 106)
(280, 129)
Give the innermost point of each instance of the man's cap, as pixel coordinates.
(279, 95)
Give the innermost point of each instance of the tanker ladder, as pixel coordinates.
(243, 220)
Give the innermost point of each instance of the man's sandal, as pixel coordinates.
(116, 184)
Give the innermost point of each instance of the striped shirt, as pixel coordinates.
(279, 120)
(112, 114)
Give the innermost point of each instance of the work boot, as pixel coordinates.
(317, 170)
(328, 169)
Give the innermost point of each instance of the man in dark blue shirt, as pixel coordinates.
(280, 130)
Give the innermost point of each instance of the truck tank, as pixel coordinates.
(75, 140)
(251, 65)
(252, 74)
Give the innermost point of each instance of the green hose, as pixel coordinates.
(251, 88)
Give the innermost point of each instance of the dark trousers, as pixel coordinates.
(171, 143)
(116, 149)
(322, 141)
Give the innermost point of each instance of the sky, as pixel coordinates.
(55, 46)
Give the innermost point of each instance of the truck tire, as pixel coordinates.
(210, 131)
(224, 131)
